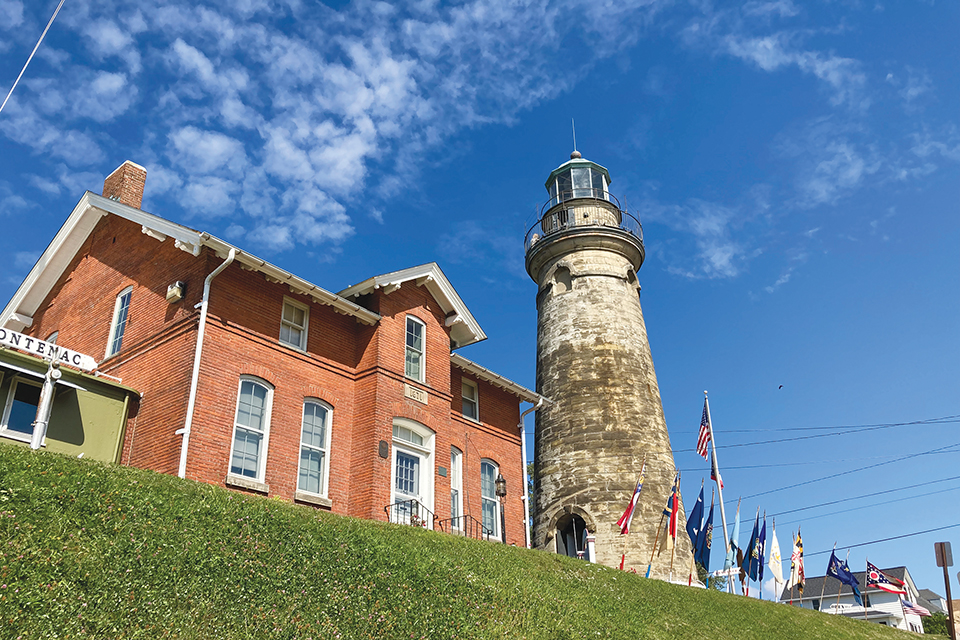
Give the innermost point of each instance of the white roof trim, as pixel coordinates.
(58, 255)
(463, 332)
(496, 379)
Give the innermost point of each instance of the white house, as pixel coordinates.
(878, 606)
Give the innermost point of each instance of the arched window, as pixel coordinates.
(488, 496)
(121, 310)
(314, 445)
(251, 428)
(52, 338)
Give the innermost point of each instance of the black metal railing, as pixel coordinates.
(572, 213)
(466, 526)
(410, 512)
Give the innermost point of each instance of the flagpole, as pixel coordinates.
(824, 587)
(623, 546)
(716, 466)
(866, 581)
(656, 541)
(794, 538)
(846, 562)
(694, 550)
(677, 504)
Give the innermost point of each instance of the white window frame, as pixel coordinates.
(426, 453)
(494, 499)
(423, 348)
(265, 440)
(475, 400)
(5, 431)
(456, 484)
(52, 338)
(328, 423)
(302, 346)
(115, 324)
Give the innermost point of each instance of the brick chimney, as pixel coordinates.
(126, 184)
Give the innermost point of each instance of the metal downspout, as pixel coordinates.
(195, 379)
(526, 479)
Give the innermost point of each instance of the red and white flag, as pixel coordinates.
(704, 439)
(627, 517)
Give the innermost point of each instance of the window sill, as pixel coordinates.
(312, 498)
(295, 347)
(246, 483)
(19, 437)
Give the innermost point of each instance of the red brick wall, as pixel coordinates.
(355, 368)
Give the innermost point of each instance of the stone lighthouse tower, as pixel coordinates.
(594, 362)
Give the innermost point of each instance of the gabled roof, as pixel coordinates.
(464, 328)
(77, 228)
(813, 586)
(496, 379)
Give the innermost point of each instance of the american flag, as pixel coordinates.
(879, 580)
(704, 438)
(915, 608)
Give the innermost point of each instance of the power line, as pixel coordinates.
(851, 431)
(870, 506)
(866, 495)
(864, 544)
(15, 82)
(848, 472)
(941, 420)
(800, 464)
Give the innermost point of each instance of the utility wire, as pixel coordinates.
(870, 506)
(940, 420)
(864, 544)
(848, 472)
(800, 464)
(15, 82)
(866, 495)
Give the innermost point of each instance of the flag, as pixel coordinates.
(776, 562)
(627, 517)
(797, 579)
(705, 541)
(838, 569)
(731, 558)
(714, 474)
(747, 558)
(755, 566)
(670, 511)
(879, 580)
(695, 521)
(915, 608)
(704, 439)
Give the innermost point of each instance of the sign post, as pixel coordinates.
(945, 559)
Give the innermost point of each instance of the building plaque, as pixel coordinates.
(415, 394)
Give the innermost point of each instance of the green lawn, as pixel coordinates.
(96, 551)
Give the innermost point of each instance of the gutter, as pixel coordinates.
(195, 378)
(526, 479)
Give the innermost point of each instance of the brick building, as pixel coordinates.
(255, 379)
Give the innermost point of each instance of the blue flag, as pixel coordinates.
(695, 521)
(747, 566)
(759, 549)
(838, 569)
(705, 540)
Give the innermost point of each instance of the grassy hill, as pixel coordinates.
(95, 551)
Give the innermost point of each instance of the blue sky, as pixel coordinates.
(795, 166)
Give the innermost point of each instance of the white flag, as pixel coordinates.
(776, 563)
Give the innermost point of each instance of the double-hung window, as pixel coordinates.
(413, 367)
(121, 309)
(456, 487)
(251, 428)
(314, 444)
(293, 324)
(20, 409)
(471, 407)
(488, 496)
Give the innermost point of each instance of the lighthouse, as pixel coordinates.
(594, 362)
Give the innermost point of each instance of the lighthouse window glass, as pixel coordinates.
(598, 187)
(553, 193)
(413, 367)
(564, 185)
(581, 182)
(21, 409)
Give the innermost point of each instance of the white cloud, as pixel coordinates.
(11, 14)
(201, 152)
(208, 196)
(107, 96)
(24, 260)
(106, 38)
